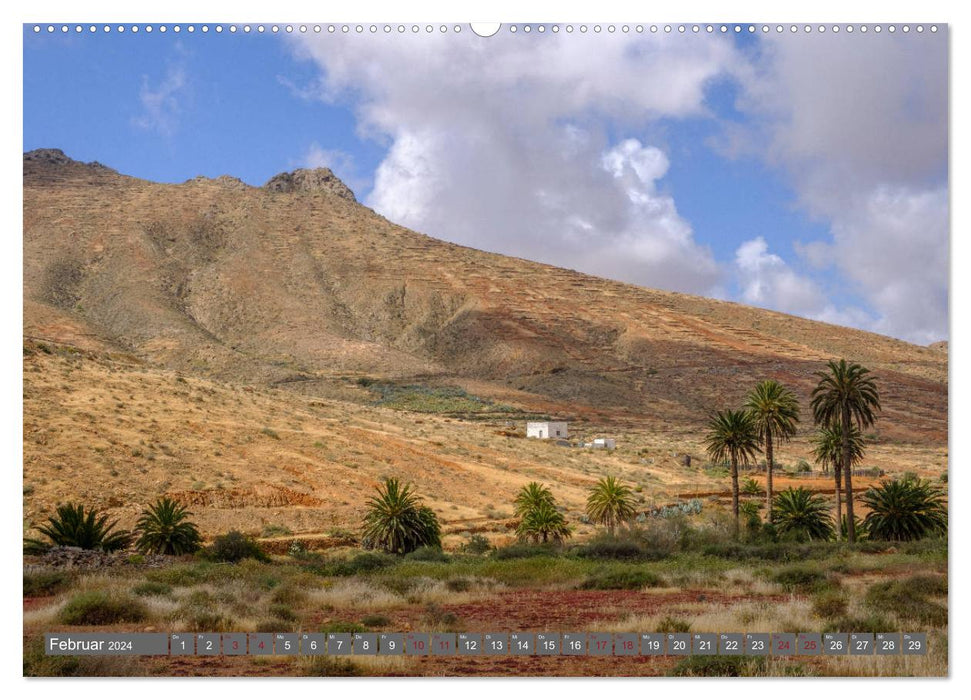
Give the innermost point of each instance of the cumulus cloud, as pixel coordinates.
(551, 148)
(535, 146)
(859, 125)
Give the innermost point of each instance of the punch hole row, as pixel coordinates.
(512, 28)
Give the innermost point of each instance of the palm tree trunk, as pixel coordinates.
(768, 476)
(735, 494)
(839, 503)
(848, 475)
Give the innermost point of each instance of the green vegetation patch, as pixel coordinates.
(102, 608)
(425, 399)
(909, 599)
(719, 666)
(44, 583)
(632, 579)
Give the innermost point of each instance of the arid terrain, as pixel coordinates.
(269, 355)
(245, 349)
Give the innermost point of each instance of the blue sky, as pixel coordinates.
(804, 174)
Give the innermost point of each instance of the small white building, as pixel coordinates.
(602, 444)
(545, 430)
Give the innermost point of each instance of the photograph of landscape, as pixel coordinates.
(422, 341)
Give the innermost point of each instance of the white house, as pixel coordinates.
(547, 429)
(603, 443)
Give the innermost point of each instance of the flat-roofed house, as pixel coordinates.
(544, 430)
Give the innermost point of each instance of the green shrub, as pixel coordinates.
(673, 624)
(526, 551)
(908, 599)
(363, 563)
(282, 611)
(476, 544)
(343, 626)
(630, 580)
(802, 579)
(44, 583)
(151, 588)
(719, 666)
(330, 666)
(101, 608)
(375, 621)
(428, 554)
(751, 487)
(233, 547)
(288, 594)
(868, 623)
(458, 585)
(830, 605)
(606, 547)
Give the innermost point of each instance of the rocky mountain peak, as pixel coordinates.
(310, 180)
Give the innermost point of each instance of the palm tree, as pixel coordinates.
(397, 522)
(828, 452)
(166, 529)
(70, 526)
(905, 510)
(610, 503)
(846, 394)
(531, 496)
(543, 523)
(800, 512)
(733, 437)
(776, 412)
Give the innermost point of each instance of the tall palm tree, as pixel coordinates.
(776, 412)
(531, 496)
(828, 452)
(733, 437)
(610, 503)
(846, 394)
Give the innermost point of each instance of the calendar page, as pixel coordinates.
(449, 349)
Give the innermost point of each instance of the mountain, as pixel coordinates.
(295, 286)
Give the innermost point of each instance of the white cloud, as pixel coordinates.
(860, 127)
(502, 144)
(161, 104)
(339, 162)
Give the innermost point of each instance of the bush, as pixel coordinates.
(233, 547)
(526, 551)
(802, 579)
(673, 624)
(428, 554)
(330, 666)
(607, 547)
(476, 544)
(908, 599)
(45, 583)
(830, 605)
(458, 585)
(719, 666)
(151, 588)
(362, 564)
(341, 626)
(630, 580)
(101, 608)
(375, 621)
(869, 623)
